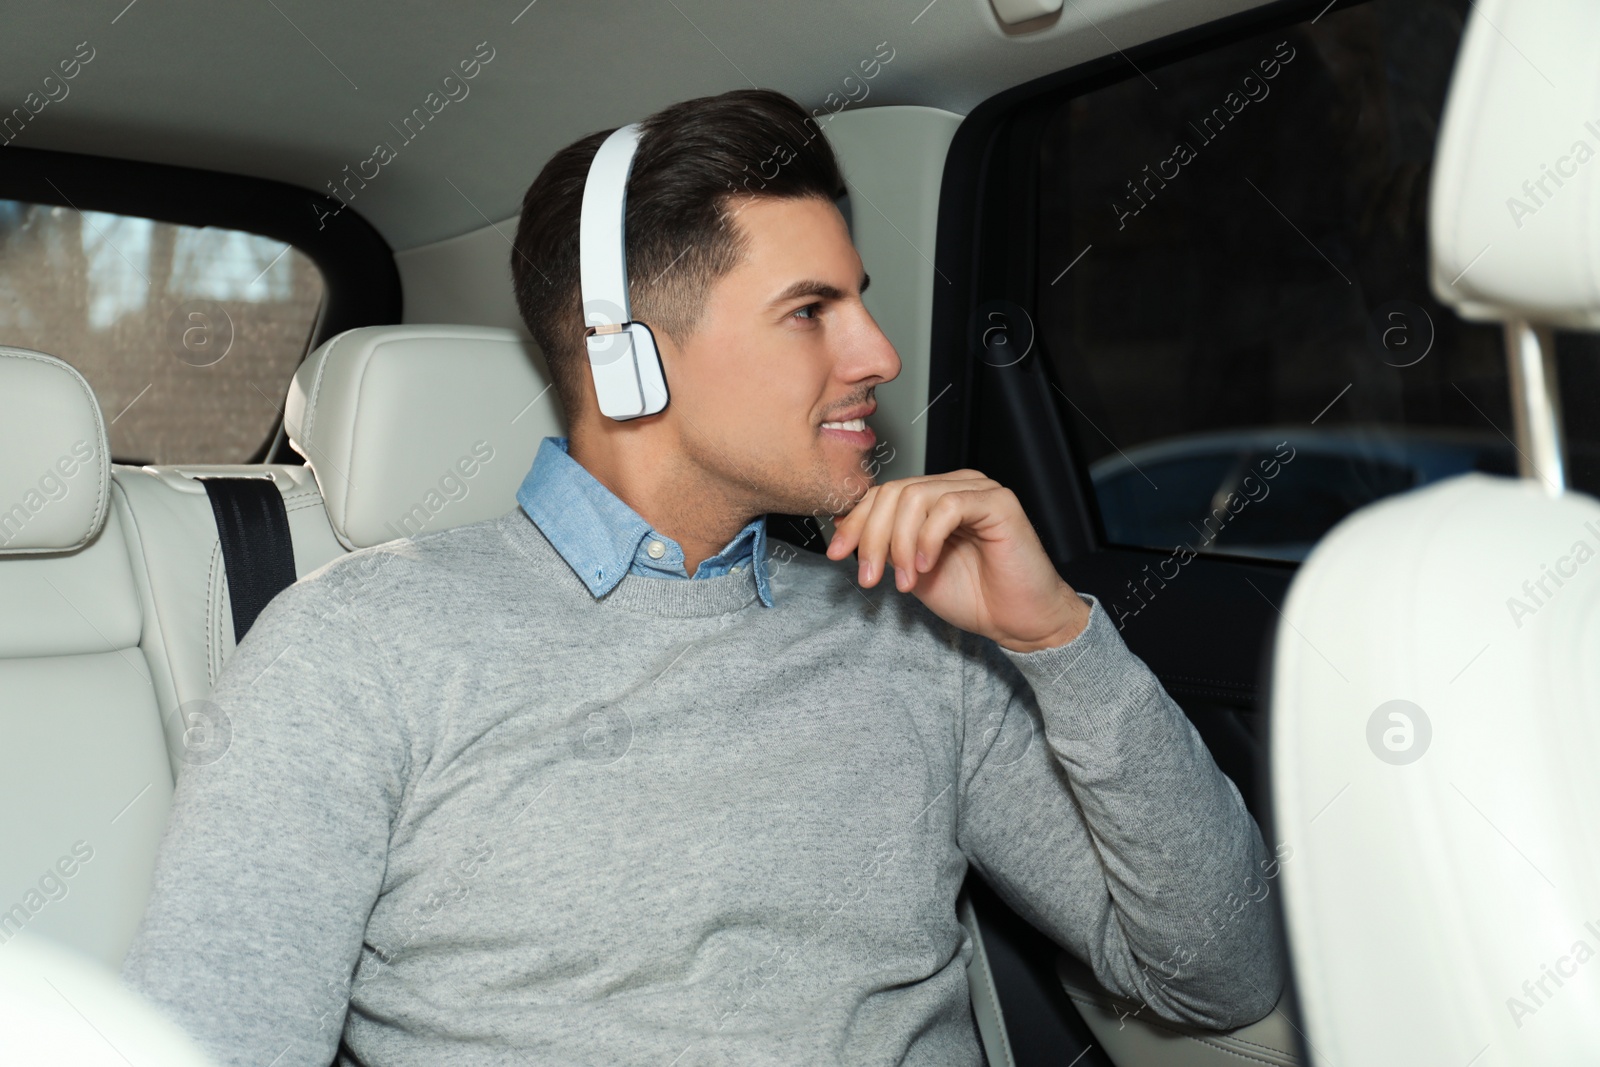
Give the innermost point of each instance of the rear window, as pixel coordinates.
(1233, 295)
(188, 335)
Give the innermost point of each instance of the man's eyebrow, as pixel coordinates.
(812, 287)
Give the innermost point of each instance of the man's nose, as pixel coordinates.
(872, 354)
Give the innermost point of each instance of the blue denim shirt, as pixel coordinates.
(603, 539)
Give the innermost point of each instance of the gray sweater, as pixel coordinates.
(469, 814)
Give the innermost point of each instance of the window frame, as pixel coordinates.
(361, 283)
(1008, 425)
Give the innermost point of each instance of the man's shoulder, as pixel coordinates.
(421, 566)
(379, 596)
(802, 576)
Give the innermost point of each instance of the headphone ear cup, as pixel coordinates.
(612, 363)
(652, 377)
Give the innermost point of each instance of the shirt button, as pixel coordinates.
(656, 549)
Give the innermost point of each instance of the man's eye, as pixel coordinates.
(812, 308)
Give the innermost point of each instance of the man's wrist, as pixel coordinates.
(1075, 619)
(1090, 687)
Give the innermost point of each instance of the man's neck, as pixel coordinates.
(674, 497)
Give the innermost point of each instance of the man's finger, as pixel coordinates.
(908, 519)
(916, 505)
(873, 544)
(945, 516)
(847, 528)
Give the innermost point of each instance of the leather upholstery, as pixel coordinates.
(85, 777)
(47, 993)
(1515, 206)
(54, 461)
(178, 571)
(1445, 849)
(419, 428)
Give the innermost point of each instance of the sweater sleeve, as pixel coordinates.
(1092, 807)
(275, 849)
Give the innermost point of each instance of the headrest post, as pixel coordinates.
(1535, 404)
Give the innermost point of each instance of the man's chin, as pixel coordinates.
(828, 483)
(846, 492)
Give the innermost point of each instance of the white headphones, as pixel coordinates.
(622, 353)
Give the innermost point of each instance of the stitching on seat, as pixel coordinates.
(1257, 1044)
(1206, 691)
(311, 411)
(1158, 1023)
(316, 388)
(1216, 682)
(99, 421)
(211, 579)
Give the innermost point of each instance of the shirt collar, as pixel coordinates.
(599, 535)
(756, 532)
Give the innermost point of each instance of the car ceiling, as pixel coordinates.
(296, 91)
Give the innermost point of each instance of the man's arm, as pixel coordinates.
(1092, 806)
(1125, 842)
(275, 849)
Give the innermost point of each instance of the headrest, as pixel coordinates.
(55, 465)
(1514, 217)
(411, 429)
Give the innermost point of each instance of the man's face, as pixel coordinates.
(784, 347)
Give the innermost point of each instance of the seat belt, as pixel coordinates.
(257, 551)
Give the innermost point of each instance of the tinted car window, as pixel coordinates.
(188, 335)
(1233, 259)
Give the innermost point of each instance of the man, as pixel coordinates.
(608, 780)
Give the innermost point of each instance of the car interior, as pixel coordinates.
(1278, 317)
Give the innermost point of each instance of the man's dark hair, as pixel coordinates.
(694, 160)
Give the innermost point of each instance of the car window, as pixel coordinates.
(1233, 266)
(188, 335)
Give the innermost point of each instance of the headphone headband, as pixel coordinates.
(622, 353)
(602, 247)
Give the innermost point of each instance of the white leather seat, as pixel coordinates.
(1436, 687)
(85, 782)
(182, 585)
(412, 429)
(58, 1009)
(1443, 856)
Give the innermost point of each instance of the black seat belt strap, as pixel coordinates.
(257, 551)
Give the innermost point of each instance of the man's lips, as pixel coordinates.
(860, 411)
(852, 431)
(851, 426)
